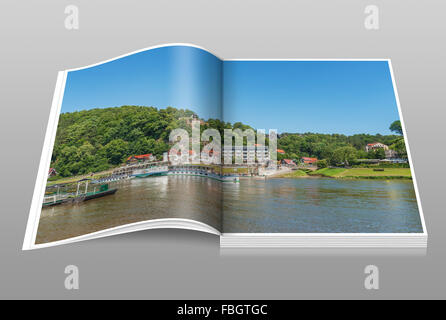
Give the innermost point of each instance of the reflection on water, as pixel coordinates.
(136, 200)
(321, 205)
(274, 205)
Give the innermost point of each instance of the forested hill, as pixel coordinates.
(323, 146)
(97, 139)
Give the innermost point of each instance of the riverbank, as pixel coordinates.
(74, 179)
(352, 173)
(339, 173)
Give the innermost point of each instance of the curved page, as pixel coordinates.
(105, 166)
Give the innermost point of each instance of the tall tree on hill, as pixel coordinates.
(396, 127)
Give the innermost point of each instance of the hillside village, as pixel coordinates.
(99, 140)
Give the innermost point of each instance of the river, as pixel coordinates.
(136, 200)
(273, 205)
(322, 205)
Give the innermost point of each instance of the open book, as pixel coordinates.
(262, 153)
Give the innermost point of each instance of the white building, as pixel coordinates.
(378, 145)
(248, 154)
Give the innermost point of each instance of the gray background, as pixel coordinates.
(182, 264)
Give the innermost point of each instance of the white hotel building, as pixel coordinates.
(246, 153)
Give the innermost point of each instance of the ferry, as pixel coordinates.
(63, 198)
(198, 173)
(150, 172)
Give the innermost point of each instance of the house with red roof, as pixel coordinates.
(307, 160)
(140, 158)
(280, 151)
(390, 154)
(287, 162)
(375, 145)
(52, 172)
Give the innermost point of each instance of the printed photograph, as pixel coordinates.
(342, 163)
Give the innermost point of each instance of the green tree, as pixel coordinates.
(97, 139)
(362, 154)
(343, 156)
(116, 151)
(400, 147)
(322, 163)
(380, 153)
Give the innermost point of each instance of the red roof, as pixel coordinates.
(280, 151)
(141, 156)
(309, 160)
(288, 161)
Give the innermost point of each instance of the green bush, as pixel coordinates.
(322, 164)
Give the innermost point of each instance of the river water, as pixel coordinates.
(273, 205)
(136, 200)
(310, 205)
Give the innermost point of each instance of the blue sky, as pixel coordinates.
(345, 97)
(178, 76)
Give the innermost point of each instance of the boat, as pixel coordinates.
(150, 172)
(66, 198)
(200, 173)
(103, 191)
(54, 202)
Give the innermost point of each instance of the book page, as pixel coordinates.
(107, 157)
(341, 160)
